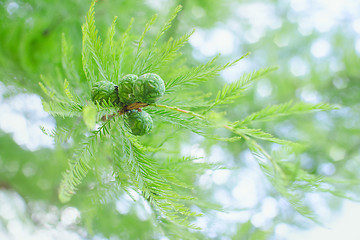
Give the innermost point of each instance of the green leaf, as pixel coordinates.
(68, 92)
(80, 163)
(259, 134)
(200, 73)
(285, 109)
(154, 56)
(92, 54)
(119, 63)
(67, 60)
(165, 55)
(62, 109)
(234, 90)
(137, 64)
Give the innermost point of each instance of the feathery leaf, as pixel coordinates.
(92, 49)
(234, 90)
(200, 73)
(136, 66)
(285, 109)
(66, 60)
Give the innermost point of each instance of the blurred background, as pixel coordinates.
(316, 45)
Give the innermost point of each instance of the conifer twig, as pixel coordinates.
(137, 105)
(232, 129)
(179, 110)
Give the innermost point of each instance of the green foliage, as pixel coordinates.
(133, 166)
(152, 59)
(285, 109)
(106, 158)
(203, 72)
(79, 165)
(93, 50)
(234, 90)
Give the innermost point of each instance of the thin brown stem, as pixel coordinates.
(125, 109)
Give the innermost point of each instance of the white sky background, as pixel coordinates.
(322, 16)
(343, 226)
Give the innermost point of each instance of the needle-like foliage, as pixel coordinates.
(149, 170)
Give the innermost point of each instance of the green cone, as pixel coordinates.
(126, 87)
(104, 91)
(148, 88)
(140, 123)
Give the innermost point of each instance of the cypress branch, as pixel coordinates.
(232, 91)
(136, 66)
(285, 109)
(200, 73)
(80, 165)
(66, 60)
(132, 162)
(92, 49)
(119, 63)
